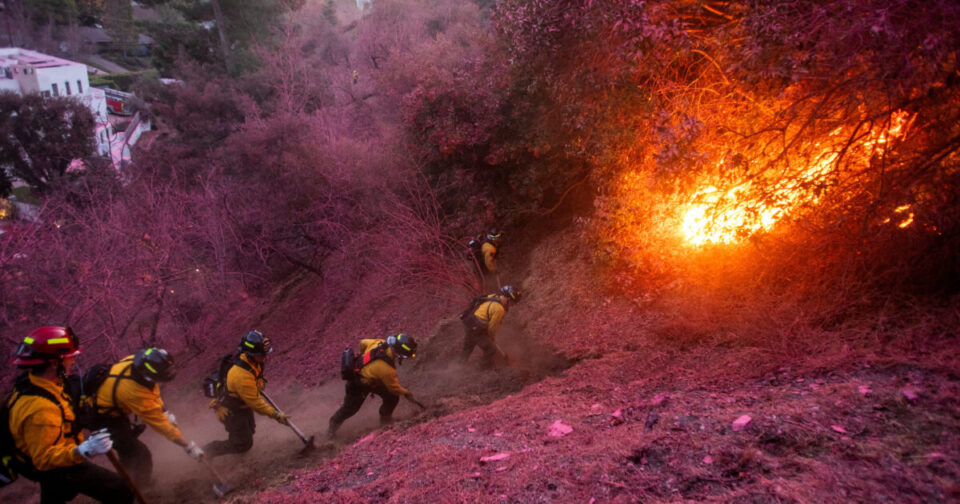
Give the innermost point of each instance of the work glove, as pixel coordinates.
(98, 444)
(193, 450)
(218, 408)
(281, 417)
(171, 418)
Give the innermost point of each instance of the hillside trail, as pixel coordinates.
(435, 377)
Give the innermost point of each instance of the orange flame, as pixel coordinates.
(723, 216)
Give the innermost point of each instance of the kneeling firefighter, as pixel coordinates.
(48, 445)
(244, 381)
(132, 387)
(375, 372)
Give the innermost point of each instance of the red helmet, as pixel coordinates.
(47, 344)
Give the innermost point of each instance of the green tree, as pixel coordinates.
(118, 22)
(47, 11)
(39, 137)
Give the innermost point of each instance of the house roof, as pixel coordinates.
(95, 35)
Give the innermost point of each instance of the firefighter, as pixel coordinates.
(51, 449)
(244, 383)
(482, 321)
(377, 374)
(132, 387)
(486, 259)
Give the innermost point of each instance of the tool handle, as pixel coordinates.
(298, 432)
(213, 471)
(418, 403)
(122, 471)
(289, 422)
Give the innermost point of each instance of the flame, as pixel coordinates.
(906, 222)
(724, 216)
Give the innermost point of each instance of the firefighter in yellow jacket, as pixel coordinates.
(485, 258)
(50, 447)
(376, 374)
(132, 387)
(244, 383)
(482, 322)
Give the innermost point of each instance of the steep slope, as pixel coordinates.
(597, 406)
(636, 421)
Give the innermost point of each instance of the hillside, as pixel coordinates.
(735, 225)
(632, 421)
(593, 408)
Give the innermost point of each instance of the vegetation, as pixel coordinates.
(39, 137)
(721, 191)
(720, 135)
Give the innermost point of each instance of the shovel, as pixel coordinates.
(122, 471)
(418, 403)
(307, 442)
(221, 487)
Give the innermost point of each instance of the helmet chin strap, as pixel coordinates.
(61, 371)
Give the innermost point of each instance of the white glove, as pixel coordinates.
(171, 418)
(98, 444)
(193, 450)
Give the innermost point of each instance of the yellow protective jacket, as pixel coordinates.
(246, 386)
(133, 397)
(378, 372)
(40, 431)
(489, 253)
(491, 313)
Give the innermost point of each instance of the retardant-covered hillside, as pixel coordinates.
(734, 226)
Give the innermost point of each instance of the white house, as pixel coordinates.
(24, 71)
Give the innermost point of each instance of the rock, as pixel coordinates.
(559, 429)
(909, 393)
(494, 458)
(659, 399)
(864, 389)
(839, 429)
(652, 420)
(741, 423)
(708, 460)
(616, 418)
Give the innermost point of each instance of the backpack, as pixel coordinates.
(475, 250)
(12, 461)
(214, 385)
(348, 364)
(83, 392)
(378, 352)
(351, 364)
(476, 302)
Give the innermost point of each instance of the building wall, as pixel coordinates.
(66, 78)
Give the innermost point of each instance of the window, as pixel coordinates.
(45, 93)
(66, 85)
(56, 92)
(79, 87)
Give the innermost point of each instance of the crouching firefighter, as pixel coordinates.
(132, 387)
(240, 396)
(481, 323)
(374, 372)
(41, 439)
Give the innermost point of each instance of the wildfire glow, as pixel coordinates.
(715, 215)
(906, 222)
